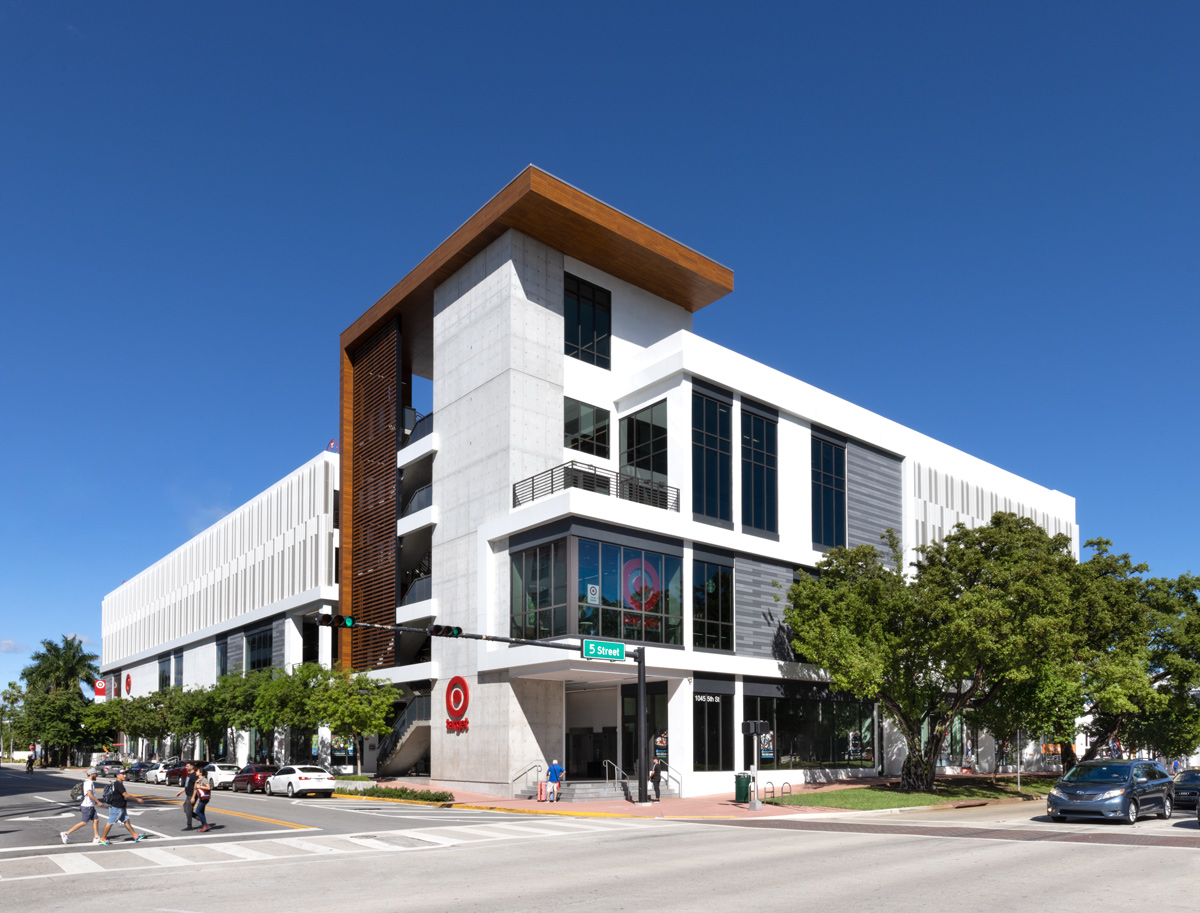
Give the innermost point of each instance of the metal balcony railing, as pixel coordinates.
(421, 498)
(598, 480)
(418, 591)
(420, 427)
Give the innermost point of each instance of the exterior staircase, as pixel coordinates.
(600, 791)
(408, 741)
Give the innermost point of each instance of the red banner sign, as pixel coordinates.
(101, 687)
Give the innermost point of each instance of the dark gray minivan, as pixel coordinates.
(1124, 790)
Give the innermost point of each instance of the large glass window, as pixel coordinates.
(222, 658)
(587, 321)
(828, 493)
(712, 606)
(644, 444)
(712, 466)
(759, 481)
(585, 428)
(818, 731)
(539, 591)
(164, 673)
(712, 731)
(258, 647)
(178, 670)
(629, 593)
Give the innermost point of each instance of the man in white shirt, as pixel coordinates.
(87, 808)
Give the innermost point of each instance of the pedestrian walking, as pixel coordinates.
(202, 793)
(118, 809)
(656, 771)
(554, 778)
(87, 808)
(188, 788)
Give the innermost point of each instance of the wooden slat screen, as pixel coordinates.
(373, 534)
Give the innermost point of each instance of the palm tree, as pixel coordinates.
(56, 666)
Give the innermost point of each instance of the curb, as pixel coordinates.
(424, 802)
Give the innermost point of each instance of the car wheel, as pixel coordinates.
(1168, 808)
(267, 788)
(290, 791)
(1131, 812)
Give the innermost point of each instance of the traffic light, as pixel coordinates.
(335, 621)
(444, 631)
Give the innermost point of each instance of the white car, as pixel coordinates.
(221, 774)
(295, 779)
(158, 773)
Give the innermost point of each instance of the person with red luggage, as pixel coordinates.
(554, 778)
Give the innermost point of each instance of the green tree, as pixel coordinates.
(1139, 655)
(355, 705)
(57, 719)
(11, 702)
(58, 667)
(983, 611)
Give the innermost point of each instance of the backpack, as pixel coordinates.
(109, 791)
(77, 792)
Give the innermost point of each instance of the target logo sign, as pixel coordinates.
(128, 683)
(457, 698)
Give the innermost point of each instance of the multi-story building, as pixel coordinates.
(591, 468)
(242, 595)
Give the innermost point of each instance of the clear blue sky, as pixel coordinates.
(980, 220)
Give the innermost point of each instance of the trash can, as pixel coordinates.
(741, 787)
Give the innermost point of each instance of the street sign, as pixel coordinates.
(603, 649)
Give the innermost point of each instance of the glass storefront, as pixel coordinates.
(712, 731)
(811, 727)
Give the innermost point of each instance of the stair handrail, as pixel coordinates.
(524, 770)
(618, 774)
(678, 780)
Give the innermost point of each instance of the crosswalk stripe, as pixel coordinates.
(432, 838)
(240, 850)
(308, 846)
(161, 857)
(76, 864)
(372, 844)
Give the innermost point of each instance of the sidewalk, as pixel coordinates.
(715, 806)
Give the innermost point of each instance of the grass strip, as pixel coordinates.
(872, 798)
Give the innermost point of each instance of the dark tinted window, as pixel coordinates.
(587, 321)
(1098, 773)
(759, 484)
(585, 428)
(828, 493)
(712, 460)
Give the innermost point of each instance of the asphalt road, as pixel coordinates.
(315, 854)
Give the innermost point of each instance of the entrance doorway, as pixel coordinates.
(591, 720)
(656, 724)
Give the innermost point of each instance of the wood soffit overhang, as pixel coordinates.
(557, 214)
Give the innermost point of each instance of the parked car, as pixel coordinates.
(1187, 789)
(221, 774)
(136, 772)
(109, 767)
(252, 777)
(157, 772)
(177, 774)
(1123, 790)
(297, 780)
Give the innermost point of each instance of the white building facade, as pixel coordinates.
(241, 596)
(593, 469)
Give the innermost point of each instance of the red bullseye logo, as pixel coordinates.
(128, 684)
(457, 698)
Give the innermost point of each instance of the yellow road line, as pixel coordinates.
(248, 817)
